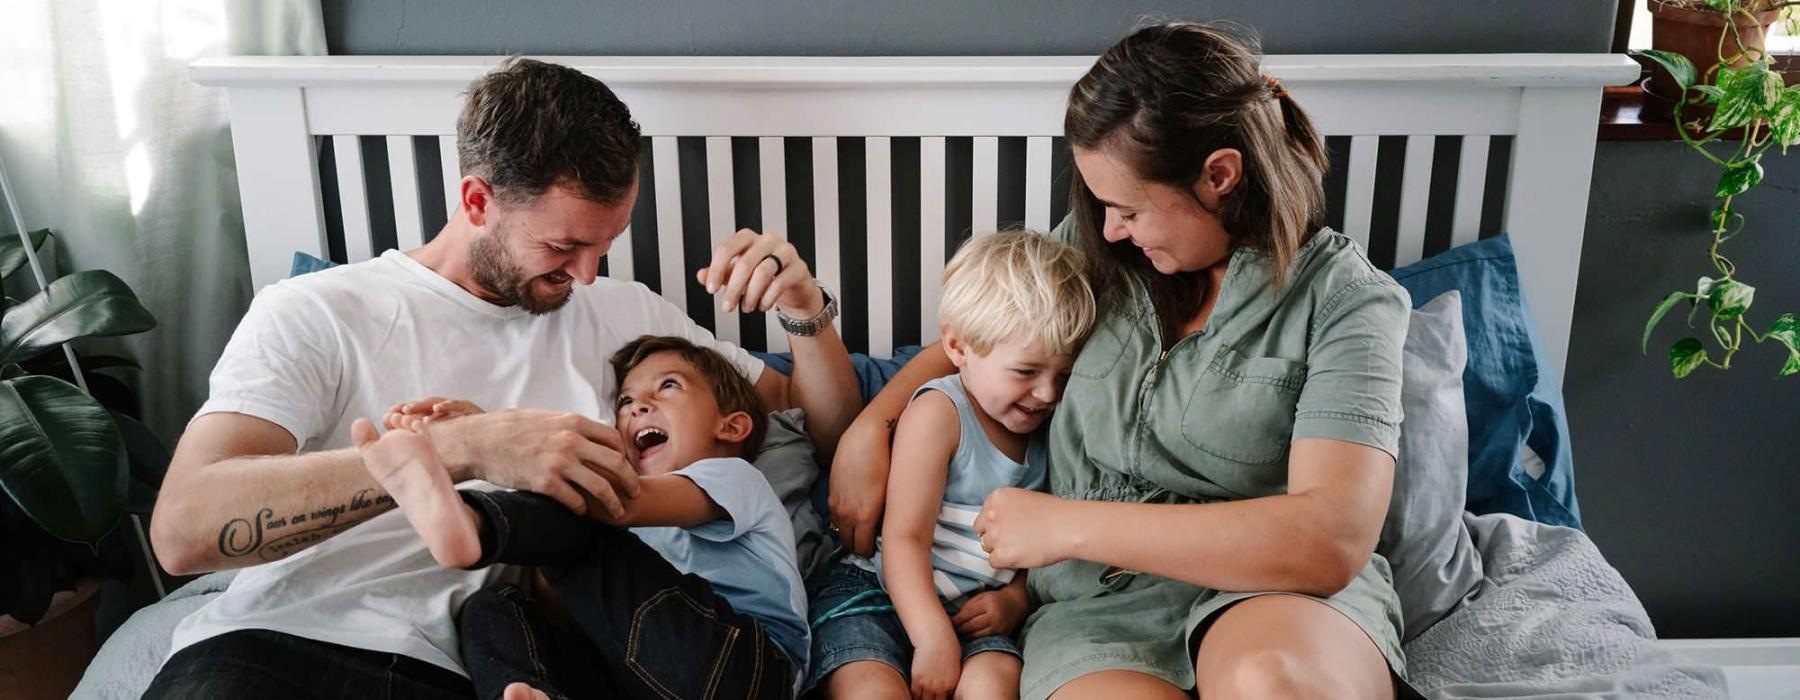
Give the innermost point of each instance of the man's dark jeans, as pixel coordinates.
(265, 665)
(646, 629)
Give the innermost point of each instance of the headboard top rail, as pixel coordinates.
(1496, 70)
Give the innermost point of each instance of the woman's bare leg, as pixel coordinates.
(1113, 685)
(1289, 647)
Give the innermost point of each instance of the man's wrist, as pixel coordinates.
(815, 302)
(451, 440)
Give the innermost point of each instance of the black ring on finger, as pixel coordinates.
(777, 260)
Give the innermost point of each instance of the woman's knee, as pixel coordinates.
(989, 674)
(866, 680)
(1266, 673)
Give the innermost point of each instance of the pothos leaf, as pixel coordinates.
(1749, 93)
(1786, 330)
(1739, 177)
(1662, 309)
(1685, 355)
(1721, 5)
(1784, 120)
(1729, 298)
(1678, 65)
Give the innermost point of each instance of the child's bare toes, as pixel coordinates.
(363, 433)
(520, 691)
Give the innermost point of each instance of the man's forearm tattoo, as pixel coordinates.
(272, 537)
(892, 423)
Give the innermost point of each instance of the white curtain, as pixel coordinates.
(109, 144)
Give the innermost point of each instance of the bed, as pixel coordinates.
(878, 167)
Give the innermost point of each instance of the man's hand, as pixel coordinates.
(561, 455)
(753, 271)
(936, 666)
(996, 612)
(859, 474)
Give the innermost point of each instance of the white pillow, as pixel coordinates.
(1435, 564)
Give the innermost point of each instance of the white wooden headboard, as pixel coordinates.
(877, 167)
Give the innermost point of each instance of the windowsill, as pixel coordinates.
(1628, 113)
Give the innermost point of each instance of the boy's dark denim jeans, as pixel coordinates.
(644, 629)
(269, 665)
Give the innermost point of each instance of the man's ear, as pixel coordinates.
(957, 350)
(735, 427)
(477, 198)
(1219, 175)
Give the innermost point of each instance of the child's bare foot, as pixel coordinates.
(520, 691)
(406, 464)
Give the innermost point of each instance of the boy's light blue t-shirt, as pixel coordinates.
(747, 556)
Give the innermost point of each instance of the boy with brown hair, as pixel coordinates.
(693, 591)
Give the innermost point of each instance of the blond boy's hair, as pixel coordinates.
(1018, 283)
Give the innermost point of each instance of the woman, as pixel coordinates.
(1223, 460)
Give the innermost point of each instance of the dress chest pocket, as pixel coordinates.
(1101, 353)
(1242, 408)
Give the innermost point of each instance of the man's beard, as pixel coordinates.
(498, 272)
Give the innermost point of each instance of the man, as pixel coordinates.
(503, 308)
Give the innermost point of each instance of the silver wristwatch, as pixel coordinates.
(807, 328)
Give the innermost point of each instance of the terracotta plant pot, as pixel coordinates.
(1695, 34)
(47, 660)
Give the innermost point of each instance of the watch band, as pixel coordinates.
(807, 328)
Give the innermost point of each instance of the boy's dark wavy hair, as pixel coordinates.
(729, 387)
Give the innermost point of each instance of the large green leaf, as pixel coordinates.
(12, 250)
(61, 458)
(148, 460)
(89, 303)
(1676, 64)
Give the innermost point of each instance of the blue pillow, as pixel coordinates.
(304, 263)
(1515, 408)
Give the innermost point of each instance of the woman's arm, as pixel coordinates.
(1313, 539)
(859, 470)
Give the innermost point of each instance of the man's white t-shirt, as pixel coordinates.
(315, 353)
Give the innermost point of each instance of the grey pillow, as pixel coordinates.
(1434, 561)
(788, 461)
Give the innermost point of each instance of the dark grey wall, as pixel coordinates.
(952, 27)
(1688, 487)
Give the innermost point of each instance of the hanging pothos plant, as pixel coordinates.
(1753, 101)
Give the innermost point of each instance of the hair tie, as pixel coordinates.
(1275, 86)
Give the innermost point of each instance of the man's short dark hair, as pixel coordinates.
(530, 125)
(729, 387)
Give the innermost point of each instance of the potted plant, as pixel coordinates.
(1752, 111)
(1693, 28)
(67, 465)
